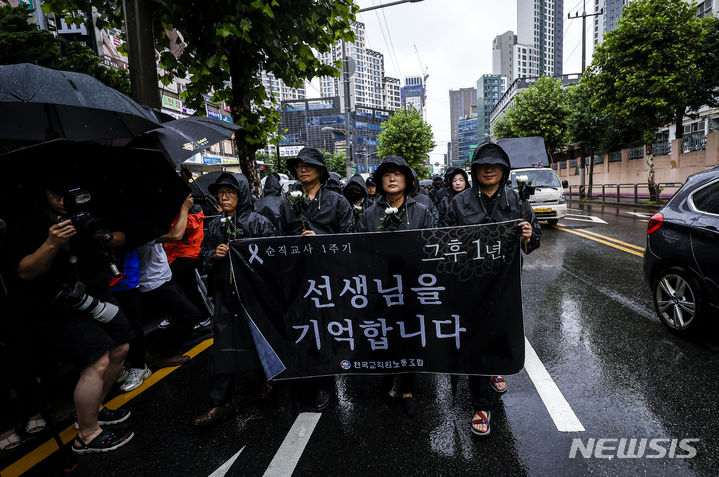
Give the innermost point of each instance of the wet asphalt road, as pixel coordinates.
(588, 316)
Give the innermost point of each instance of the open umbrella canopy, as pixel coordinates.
(40, 104)
(137, 191)
(183, 138)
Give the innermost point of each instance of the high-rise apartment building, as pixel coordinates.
(368, 85)
(502, 54)
(414, 94)
(489, 89)
(539, 24)
(277, 88)
(462, 103)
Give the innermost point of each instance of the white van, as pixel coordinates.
(528, 156)
(548, 201)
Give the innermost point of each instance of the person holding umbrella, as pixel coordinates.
(491, 200)
(395, 209)
(233, 349)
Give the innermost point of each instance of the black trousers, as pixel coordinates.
(130, 303)
(480, 391)
(169, 298)
(183, 273)
(406, 382)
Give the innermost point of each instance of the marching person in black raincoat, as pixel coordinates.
(269, 204)
(420, 196)
(436, 187)
(356, 194)
(490, 200)
(233, 349)
(457, 181)
(371, 189)
(334, 183)
(318, 211)
(395, 209)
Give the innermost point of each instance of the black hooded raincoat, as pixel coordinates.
(271, 201)
(233, 349)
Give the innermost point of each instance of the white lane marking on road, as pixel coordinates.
(640, 214)
(224, 468)
(289, 453)
(558, 407)
(585, 218)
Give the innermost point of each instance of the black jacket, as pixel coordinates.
(467, 208)
(357, 182)
(413, 216)
(426, 201)
(444, 202)
(271, 201)
(327, 213)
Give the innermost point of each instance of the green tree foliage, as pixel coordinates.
(405, 134)
(23, 42)
(230, 42)
(335, 162)
(539, 110)
(647, 68)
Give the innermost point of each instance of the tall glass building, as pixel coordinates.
(467, 138)
(489, 89)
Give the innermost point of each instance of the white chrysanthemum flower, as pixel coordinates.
(358, 207)
(224, 220)
(391, 210)
(296, 194)
(522, 179)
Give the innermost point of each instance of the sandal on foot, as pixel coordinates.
(495, 380)
(10, 442)
(35, 425)
(106, 441)
(480, 417)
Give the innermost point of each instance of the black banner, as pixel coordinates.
(444, 300)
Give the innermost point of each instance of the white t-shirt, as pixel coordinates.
(154, 268)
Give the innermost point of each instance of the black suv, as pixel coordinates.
(681, 262)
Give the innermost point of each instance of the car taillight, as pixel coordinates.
(654, 223)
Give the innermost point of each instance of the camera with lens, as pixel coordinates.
(74, 297)
(78, 203)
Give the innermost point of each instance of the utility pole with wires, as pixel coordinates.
(583, 16)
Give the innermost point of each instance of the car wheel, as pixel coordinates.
(677, 298)
(553, 221)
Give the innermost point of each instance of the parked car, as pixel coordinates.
(681, 261)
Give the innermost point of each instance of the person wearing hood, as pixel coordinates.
(395, 209)
(233, 349)
(424, 199)
(436, 186)
(334, 183)
(371, 189)
(457, 181)
(356, 194)
(317, 211)
(491, 200)
(271, 201)
(324, 211)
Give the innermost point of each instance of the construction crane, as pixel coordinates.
(422, 69)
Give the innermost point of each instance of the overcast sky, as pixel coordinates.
(454, 41)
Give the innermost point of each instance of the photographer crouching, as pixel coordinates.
(61, 254)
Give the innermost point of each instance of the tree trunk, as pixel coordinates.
(241, 107)
(591, 169)
(582, 169)
(653, 192)
(679, 121)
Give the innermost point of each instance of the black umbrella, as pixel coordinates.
(137, 191)
(40, 104)
(183, 138)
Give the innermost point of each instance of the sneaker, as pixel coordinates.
(106, 441)
(135, 379)
(203, 324)
(164, 323)
(108, 417)
(124, 373)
